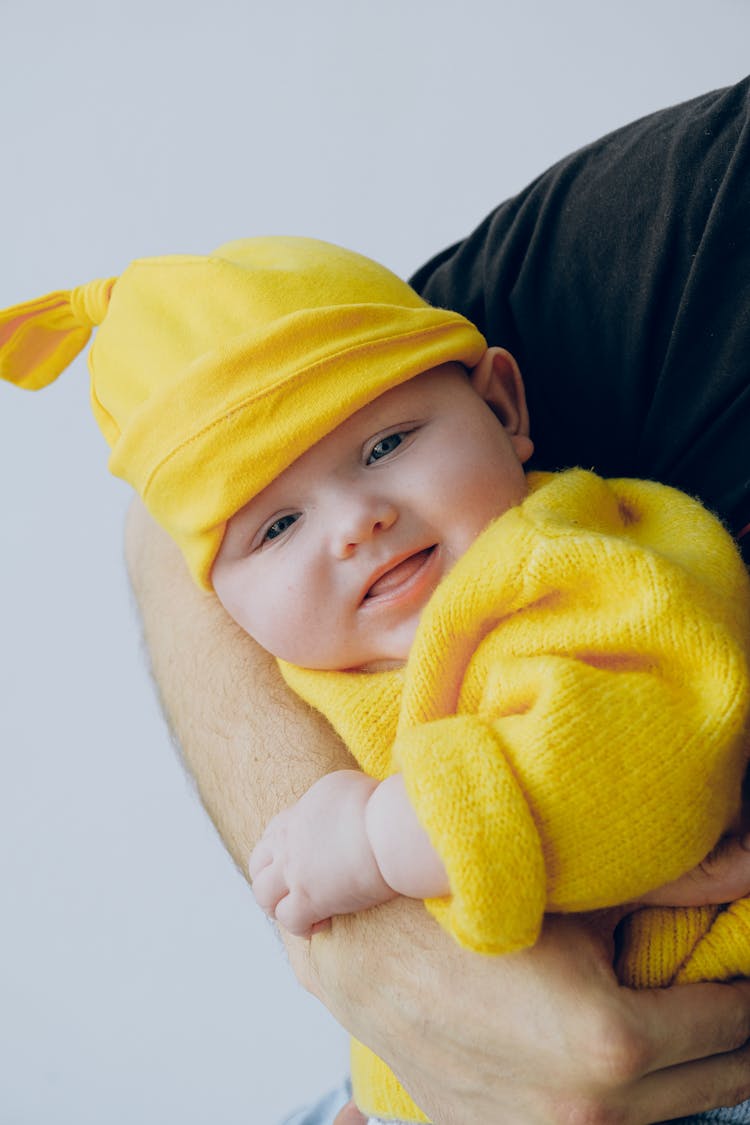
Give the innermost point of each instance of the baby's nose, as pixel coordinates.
(360, 521)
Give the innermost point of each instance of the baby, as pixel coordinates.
(533, 641)
(544, 678)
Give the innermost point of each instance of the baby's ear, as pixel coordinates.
(497, 379)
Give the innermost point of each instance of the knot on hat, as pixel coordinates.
(211, 374)
(89, 303)
(38, 339)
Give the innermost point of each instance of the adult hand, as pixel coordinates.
(723, 876)
(538, 1037)
(349, 1115)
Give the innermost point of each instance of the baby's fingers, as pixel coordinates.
(297, 914)
(269, 886)
(260, 857)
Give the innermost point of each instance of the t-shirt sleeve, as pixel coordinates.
(620, 279)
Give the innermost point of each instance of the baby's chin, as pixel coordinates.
(385, 657)
(379, 666)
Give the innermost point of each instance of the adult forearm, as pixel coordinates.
(252, 747)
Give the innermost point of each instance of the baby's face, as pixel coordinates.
(331, 565)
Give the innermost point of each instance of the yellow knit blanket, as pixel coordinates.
(571, 727)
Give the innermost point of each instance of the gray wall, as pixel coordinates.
(138, 982)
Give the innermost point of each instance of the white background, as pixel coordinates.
(138, 981)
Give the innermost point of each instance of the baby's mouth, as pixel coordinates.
(399, 574)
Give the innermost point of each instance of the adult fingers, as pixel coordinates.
(686, 1051)
(724, 875)
(677, 1025)
(680, 1091)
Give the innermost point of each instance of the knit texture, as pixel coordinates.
(571, 724)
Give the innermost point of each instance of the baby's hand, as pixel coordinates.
(314, 859)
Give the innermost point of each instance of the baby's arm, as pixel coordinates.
(348, 844)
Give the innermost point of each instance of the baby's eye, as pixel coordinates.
(279, 526)
(385, 446)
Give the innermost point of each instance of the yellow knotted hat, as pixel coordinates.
(211, 375)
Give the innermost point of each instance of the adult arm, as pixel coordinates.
(536, 1037)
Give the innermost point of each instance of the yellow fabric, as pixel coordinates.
(375, 1084)
(662, 947)
(572, 725)
(211, 375)
(40, 338)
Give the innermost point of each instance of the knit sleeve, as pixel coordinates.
(478, 820)
(574, 788)
(573, 729)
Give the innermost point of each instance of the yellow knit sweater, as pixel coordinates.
(570, 726)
